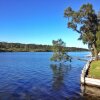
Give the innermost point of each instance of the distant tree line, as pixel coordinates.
(19, 47)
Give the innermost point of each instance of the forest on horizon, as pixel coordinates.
(19, 47)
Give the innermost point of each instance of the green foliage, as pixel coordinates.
(18, 47)
(98, 41)
(84, 21)
(4, 46)
(59, 51)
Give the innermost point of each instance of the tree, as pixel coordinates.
(85, 22)
(59, 51)
(98, 40)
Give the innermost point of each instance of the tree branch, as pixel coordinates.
(78, 31)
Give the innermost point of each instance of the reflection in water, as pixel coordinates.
(59, 72)
(90, 93)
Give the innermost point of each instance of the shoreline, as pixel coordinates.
(85, 80)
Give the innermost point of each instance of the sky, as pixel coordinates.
(39, 21)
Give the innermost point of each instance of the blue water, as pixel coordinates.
(32, 76)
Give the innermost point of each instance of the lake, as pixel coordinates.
(32, 76)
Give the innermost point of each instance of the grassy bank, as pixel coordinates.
(94, 71)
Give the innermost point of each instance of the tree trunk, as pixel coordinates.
(95, 51)
(92, 52)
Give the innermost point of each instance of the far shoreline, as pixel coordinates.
(39, 51)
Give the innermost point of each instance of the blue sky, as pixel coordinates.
(39, 21)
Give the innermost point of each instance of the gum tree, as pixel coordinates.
(59, 51)
(85, 22)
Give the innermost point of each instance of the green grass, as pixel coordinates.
(94, 71)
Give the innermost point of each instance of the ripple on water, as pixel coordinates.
(31, 76)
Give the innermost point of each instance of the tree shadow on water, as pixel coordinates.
(59, 71)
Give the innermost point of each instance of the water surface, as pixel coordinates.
(32, 76)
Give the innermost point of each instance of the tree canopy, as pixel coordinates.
(59, 51)
(98, 40)
(85, 22)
